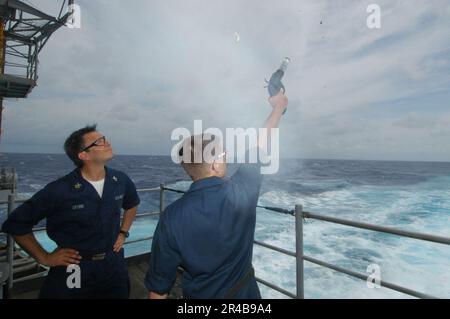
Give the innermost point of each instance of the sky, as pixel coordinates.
(140, 69)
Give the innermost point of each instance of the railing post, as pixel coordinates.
(10, 247)
(161, 198)
(299, 250)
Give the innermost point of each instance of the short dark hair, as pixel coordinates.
(74, 143)
(188, 150)
(189, 144)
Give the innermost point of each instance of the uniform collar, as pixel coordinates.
(78, 175)
(79, 182)
(205, 183)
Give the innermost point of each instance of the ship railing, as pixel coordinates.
(299, 215)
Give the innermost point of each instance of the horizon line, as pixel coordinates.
(288, 158)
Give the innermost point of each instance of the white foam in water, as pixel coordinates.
(415, 264)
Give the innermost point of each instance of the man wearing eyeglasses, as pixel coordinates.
(83, 217)
(209, 231)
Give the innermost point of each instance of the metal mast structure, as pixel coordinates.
(24, 31)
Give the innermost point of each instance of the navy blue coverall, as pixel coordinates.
(79, 219)
(209, 232)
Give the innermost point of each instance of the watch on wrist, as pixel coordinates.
(125, 233)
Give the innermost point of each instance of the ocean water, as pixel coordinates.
(407, 195)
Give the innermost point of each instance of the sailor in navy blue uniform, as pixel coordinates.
(83, 217)
(209, 231)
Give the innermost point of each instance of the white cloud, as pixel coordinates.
(143, 68)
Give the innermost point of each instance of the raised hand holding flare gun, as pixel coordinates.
(274, 85)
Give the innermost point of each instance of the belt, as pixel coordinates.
(95, 257)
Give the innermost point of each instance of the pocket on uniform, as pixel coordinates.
(118, 198)
(79, 213)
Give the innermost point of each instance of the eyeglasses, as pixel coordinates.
(98, 142)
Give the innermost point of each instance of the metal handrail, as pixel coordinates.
(275, 287)
(16, 200)
(299, 215)
(172, 189)
(389, 230)
(275, 248)
(153, 189)
(382, 229)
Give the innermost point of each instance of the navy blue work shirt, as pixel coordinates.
(76, 216)
(209, 232)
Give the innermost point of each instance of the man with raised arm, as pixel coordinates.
(209, 231)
